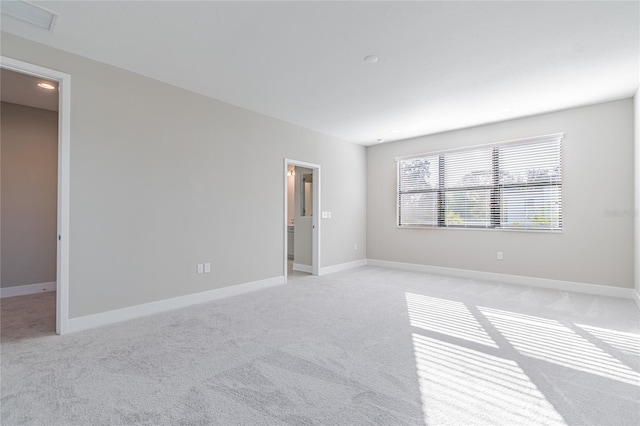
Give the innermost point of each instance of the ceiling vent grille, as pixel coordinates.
(29, 13)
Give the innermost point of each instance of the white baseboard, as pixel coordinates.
(342, 267)
(599, 290)
(23, 290)
(132, 312)
(302, 268)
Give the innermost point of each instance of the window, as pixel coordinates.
(512, 185)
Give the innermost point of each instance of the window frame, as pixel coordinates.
(496, 189)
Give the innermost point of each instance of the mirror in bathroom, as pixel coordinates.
(307, 195)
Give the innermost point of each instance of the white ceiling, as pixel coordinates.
(442, 65)
(23, 89)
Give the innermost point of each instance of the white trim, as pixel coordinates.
(302, 268)
(23, 290)
(64, 163)
(343, 267)
(316, 222)
(595, 289)
(132, 312)
(285, 211)
(315, 239)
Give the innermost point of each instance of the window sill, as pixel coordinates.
(461, 228)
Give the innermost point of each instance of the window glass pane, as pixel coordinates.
(418, 174)
(468, 208)
(535, 208)
(468, 168)
(515, 185)
(419, 209)
(530, 163)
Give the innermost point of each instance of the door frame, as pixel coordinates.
(64, 159)
(315, 221)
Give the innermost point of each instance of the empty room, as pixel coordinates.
(319, 213)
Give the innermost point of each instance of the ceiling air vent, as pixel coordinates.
(29, 13)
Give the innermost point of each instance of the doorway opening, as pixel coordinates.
(62, 82)
(301, 218)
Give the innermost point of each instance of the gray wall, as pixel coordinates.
(159, 184)
(596, 245)
(29, 176)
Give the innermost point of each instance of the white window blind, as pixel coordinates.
(510, 185)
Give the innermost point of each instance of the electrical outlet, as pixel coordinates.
(200, 269)
(207, 267)
(355, 246)
(500, 256)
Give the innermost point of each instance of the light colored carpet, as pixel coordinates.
(370, 346)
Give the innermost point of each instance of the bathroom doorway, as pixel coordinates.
(301, 217)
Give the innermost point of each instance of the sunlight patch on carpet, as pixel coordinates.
(550, 341)
(626, 342)
(464, 386)
(446, 317)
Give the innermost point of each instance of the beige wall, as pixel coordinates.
(29, 170)
(156, 187)
(594, 247)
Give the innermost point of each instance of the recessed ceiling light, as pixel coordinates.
(394, 131)
(371, 59)
(47, 86)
